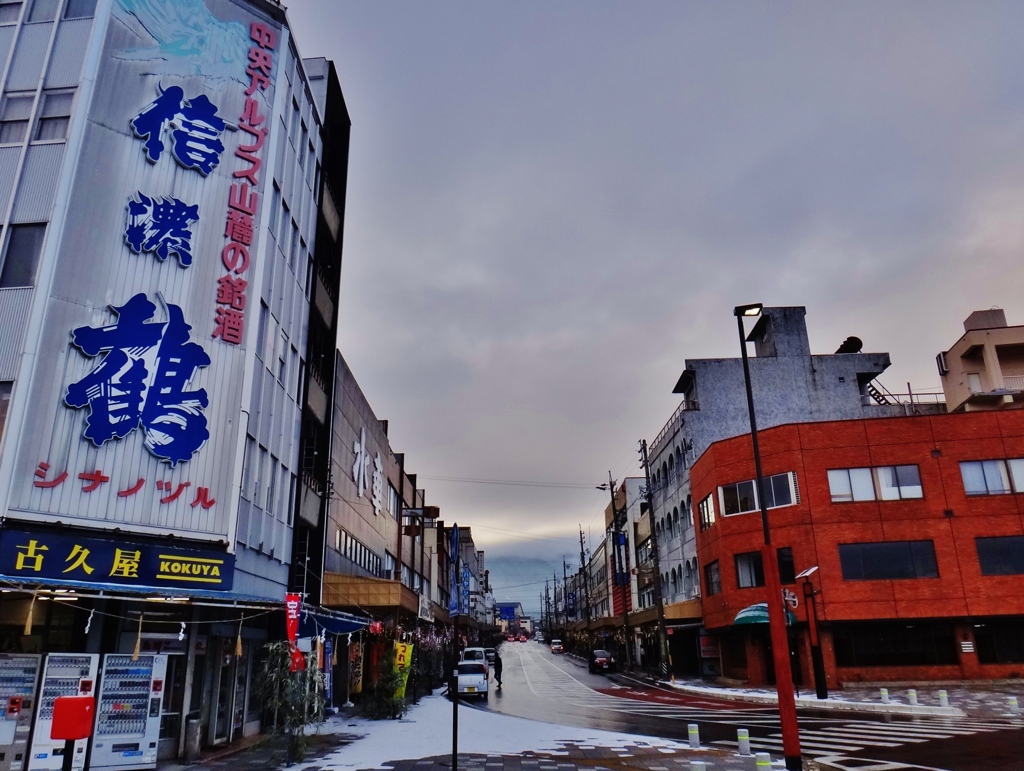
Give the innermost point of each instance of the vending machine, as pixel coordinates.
(19, 681)
(128, 712)
(64, 674)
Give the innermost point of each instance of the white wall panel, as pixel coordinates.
(29, 54)
(65, 68)
(38, 184)
(14, 304)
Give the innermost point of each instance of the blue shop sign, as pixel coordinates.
(29, 554)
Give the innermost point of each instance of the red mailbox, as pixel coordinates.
(73, 717)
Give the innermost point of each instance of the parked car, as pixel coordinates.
(475, 654)
(473, 679)
(556, 646)
(601, 661)
(489, 655)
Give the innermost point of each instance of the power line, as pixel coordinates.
(511, 482)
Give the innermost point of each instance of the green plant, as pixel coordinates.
(293, 699)
(380, 701)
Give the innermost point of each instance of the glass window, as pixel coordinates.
(54, 116)
(898, 482)
(80, 9)
(888, 560)
(787, 568)
(5, 403)
(707, 512)
(43, 10)
(712, 579)
(851, 484)
(749, 570)
(10, 10)
(1001, 556)
(21, 258)
(777, 491)
(261, 335)
(14, 117)
(864, 644)
(1017, 473)
(985, 477)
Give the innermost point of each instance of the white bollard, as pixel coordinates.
(697, 765)
(912, 697)
(885, 695)
(1014, 706)
(694, 733)
(943, 699)
(743, 740)
(762, 760)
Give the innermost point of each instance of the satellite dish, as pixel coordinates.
(851, 345)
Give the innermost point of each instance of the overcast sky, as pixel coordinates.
(552, 204)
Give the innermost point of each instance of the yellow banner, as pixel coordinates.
(403, 663)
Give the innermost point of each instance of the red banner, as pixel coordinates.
(293, 606)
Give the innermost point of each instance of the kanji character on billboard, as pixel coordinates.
(142, 380)
(161, 226)
(194, 124)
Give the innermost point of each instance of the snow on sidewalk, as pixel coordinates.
(426, 730)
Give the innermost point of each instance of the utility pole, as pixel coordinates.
(666, 653)
(585, 567)
(619, 530)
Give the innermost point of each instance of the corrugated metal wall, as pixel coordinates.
(13, 318)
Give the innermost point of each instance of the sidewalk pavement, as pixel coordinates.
(488, 741)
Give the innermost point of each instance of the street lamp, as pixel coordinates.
(817, 660)
(773, 587)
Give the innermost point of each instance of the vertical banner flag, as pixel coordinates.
(403, 663)
(328, 670)
(355, 668)
(293, 606)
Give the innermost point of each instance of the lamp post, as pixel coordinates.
(817, 660)
(773, 586)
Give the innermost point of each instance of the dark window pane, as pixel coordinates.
(9, 12)
(780, 490)
(1000, 641)
(745, 492)
(894, 645)
(749, 570)
(787, 569)
(730, 500)
(1001, 556)
(79, 9)
(889, 560)
(43, 10)
(24, 244)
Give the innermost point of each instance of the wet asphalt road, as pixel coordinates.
(559, 689)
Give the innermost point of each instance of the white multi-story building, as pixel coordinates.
(160, 191)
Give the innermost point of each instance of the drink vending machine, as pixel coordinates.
(19, 681)
(64, 674)
(128, 712)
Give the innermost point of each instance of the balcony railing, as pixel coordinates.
(1013, 382)
(673, 424)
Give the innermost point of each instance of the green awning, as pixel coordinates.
(758, 614)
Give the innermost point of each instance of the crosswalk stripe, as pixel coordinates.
(854, 733)
(809, 752)
(866, 741)
(833, 744)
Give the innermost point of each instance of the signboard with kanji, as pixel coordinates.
(150, 287)
(32, 554)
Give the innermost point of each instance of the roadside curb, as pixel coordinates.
(847, 706)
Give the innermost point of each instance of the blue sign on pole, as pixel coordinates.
(507, 612)
(453, 590)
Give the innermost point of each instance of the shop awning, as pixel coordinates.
(758, 614)
(314, 623)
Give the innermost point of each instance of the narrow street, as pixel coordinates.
(559, 689)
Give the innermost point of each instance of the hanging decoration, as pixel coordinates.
(31, 613)
(138, 640)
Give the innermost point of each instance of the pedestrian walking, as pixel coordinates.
(497, 667)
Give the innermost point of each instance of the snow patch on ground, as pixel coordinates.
(427, 731)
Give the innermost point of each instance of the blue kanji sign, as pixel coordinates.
(32, 554)
(161, 226)
(142, 380)
(195, 129)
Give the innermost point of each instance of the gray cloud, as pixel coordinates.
(552, 205)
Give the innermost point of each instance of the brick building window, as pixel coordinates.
(888, 560)
(741, 497)
(993, 477)
(787, 568)
(712, 579)
(749, 570)
(707, 512)
(894, 645)
(1001, 556)
(1000, 641)
(883, 483)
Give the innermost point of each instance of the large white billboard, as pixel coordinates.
(135, 415)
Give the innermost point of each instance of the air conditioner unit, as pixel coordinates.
(940, 361)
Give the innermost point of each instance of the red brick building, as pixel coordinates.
(916, 526)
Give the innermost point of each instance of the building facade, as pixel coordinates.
(914, 526)
(162, 172)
